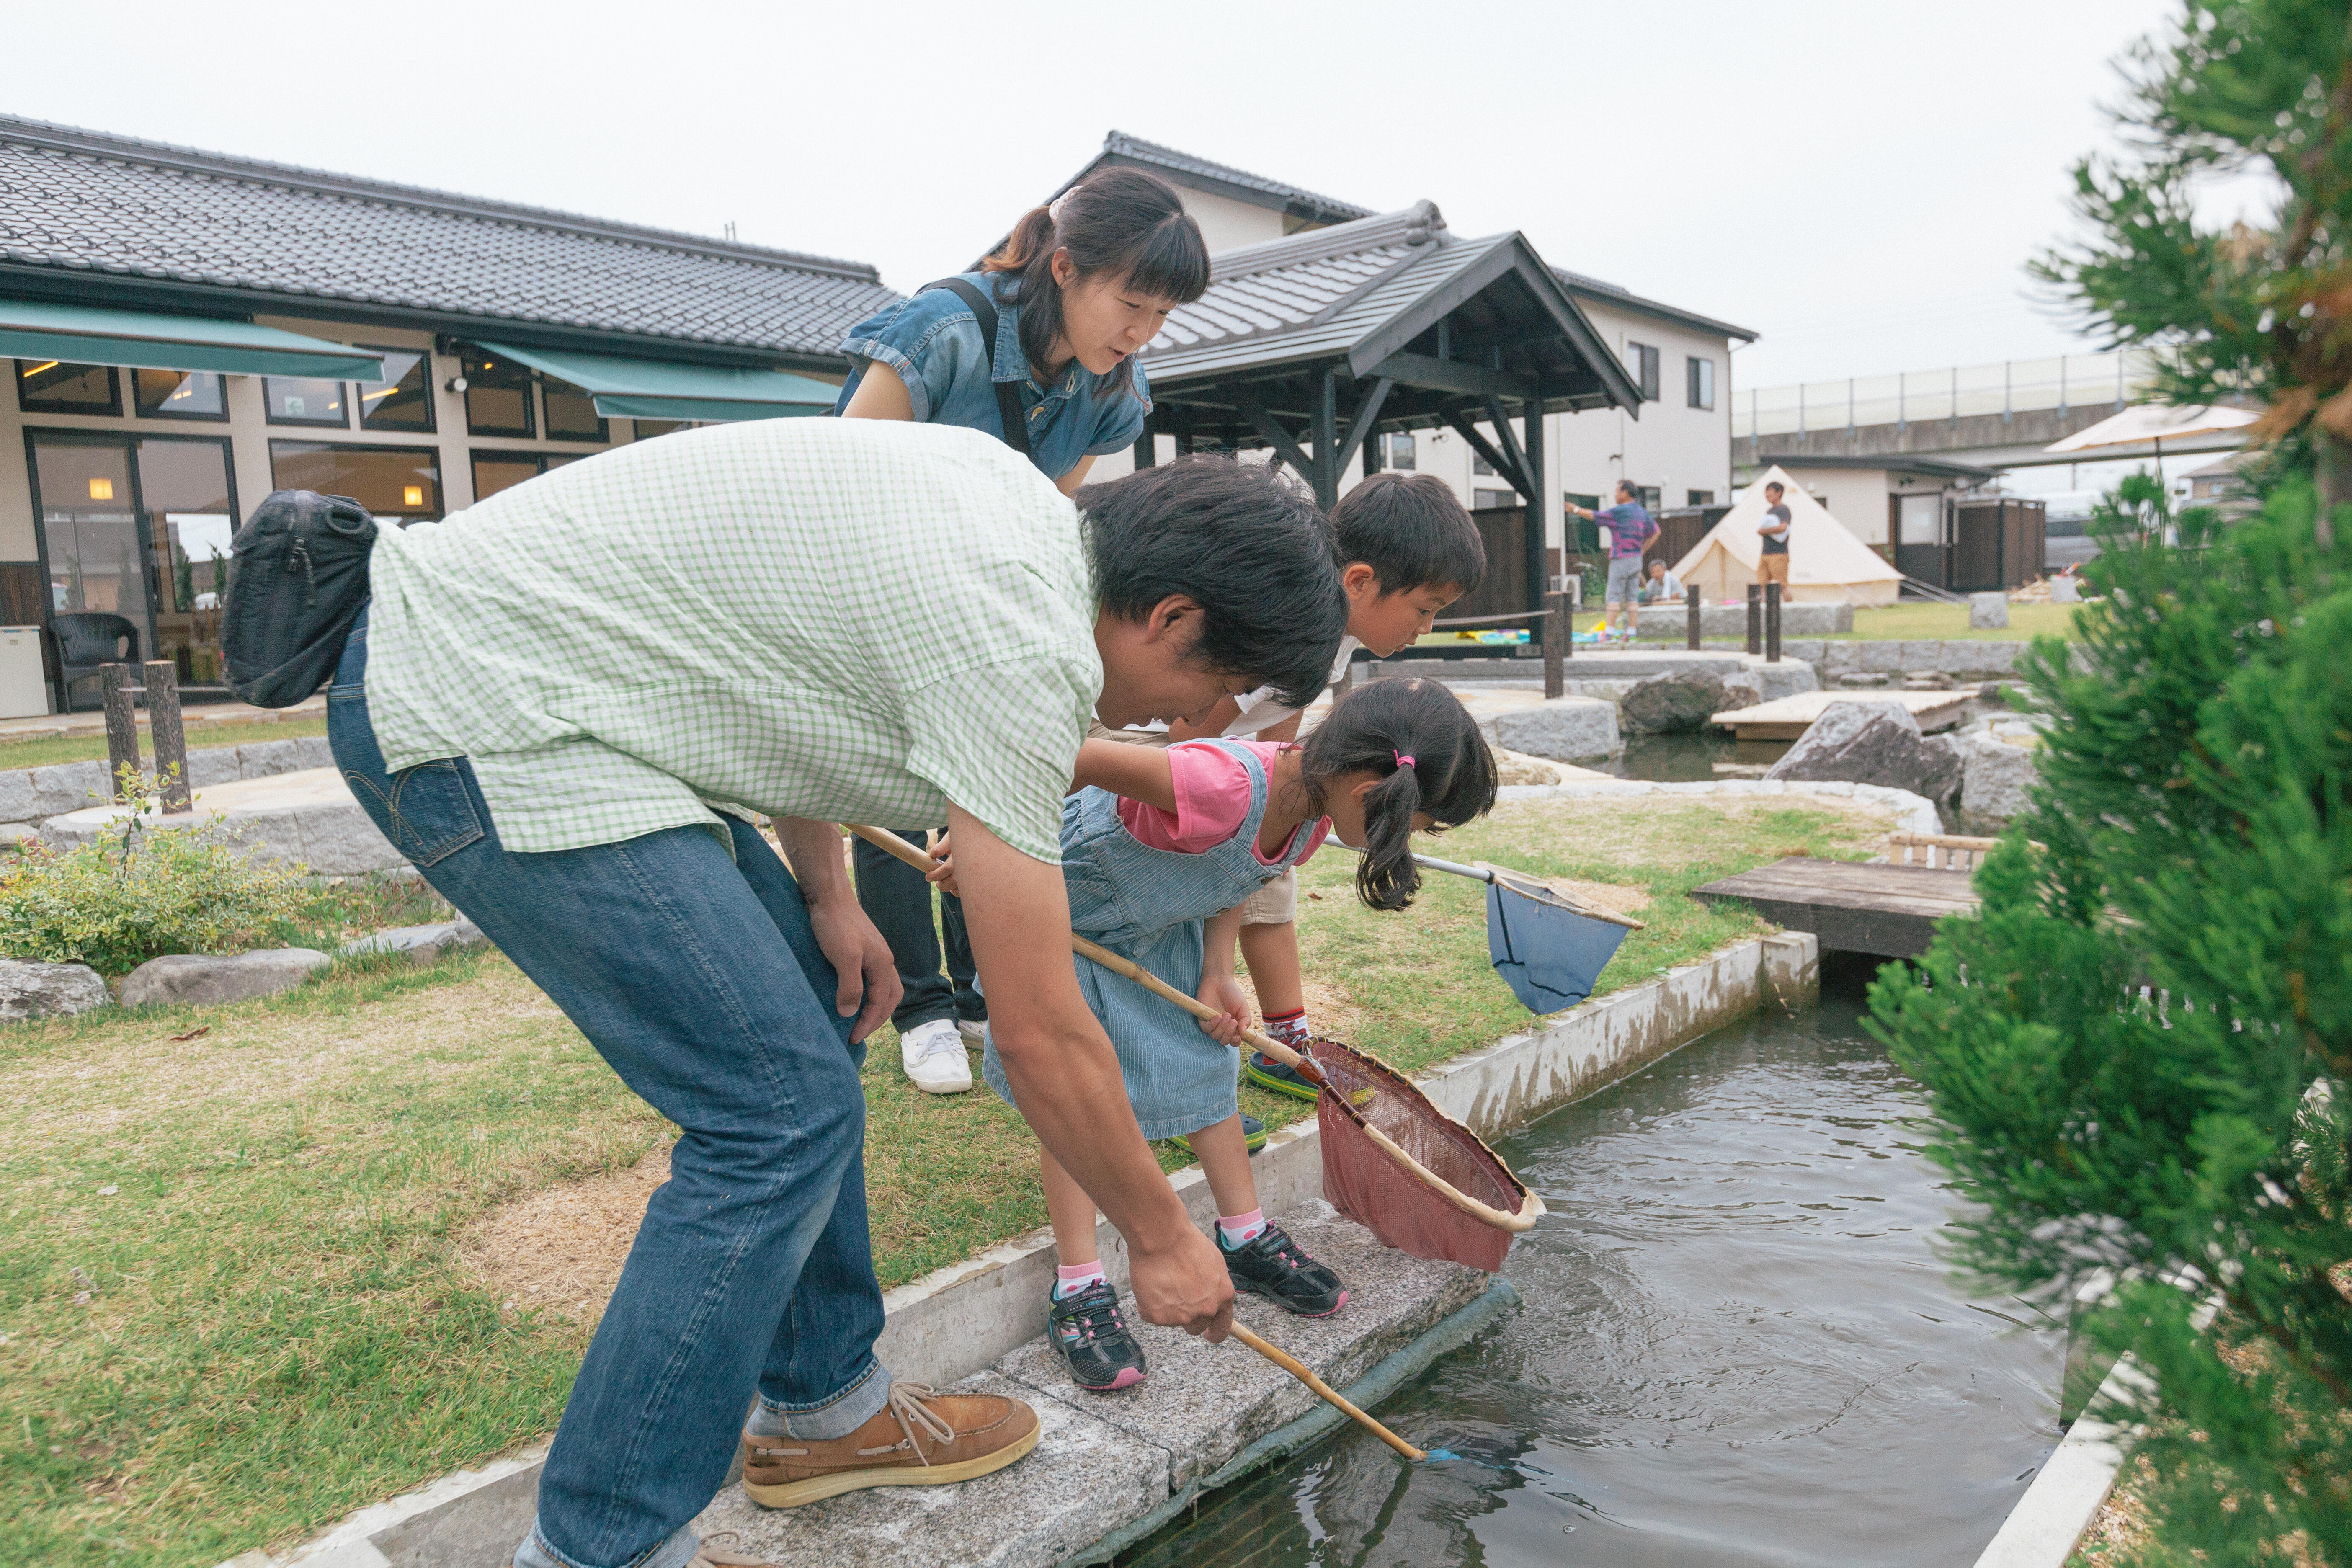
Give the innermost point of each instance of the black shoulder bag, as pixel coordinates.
(298, 581)
(1008, 396)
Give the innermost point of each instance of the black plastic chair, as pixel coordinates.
(88, 641)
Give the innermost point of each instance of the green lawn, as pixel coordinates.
(48, 751)
(235, 1299)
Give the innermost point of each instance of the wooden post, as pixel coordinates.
(1690, 610)
(1556, 632)
(1755, 617)
(121, 728)
(1771, 623)
(163, 728)
(1146, 449)
(1326, 477)
(1538, 537)
(1575, 608)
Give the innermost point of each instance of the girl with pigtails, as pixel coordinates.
(1159, 850)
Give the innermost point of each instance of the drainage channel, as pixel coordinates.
(1740, 1346)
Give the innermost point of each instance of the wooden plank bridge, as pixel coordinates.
(1852, 907)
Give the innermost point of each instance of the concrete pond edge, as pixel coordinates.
(960, 1319)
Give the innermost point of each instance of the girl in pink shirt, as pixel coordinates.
(1159, 850)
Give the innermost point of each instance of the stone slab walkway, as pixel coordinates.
(1106, 1462)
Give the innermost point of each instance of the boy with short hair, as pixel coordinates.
(1411, 549)
(1772, 564)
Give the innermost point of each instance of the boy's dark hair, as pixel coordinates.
(1417, 734)
(1250, 547)
(1771, 485)
(1120, 221)
(1412, 531)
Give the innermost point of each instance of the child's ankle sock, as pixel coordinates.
(1237, 1228)
(1069, 1279)
(1289, 1027)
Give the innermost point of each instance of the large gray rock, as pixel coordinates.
(1769, 683)
(69, 786)
(35, 990)
(1565, 730)
(1996, 778)
(1873, 743)
(428, 944)
(202, 978)
(1988, 612)
(1676, 704)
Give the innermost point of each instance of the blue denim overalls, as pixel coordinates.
(1148, 905)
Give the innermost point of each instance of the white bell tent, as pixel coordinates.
(1827, 564)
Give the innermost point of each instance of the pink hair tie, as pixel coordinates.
(1403, 760)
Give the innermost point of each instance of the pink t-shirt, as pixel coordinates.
(1212, 801)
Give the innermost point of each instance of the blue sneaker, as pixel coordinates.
(1280, 1077)
(1253, 1135)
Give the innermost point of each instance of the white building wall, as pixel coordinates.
(1227, 223)
(1855, 497)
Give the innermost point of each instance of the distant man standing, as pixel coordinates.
(1631, 529)
(1772, 566)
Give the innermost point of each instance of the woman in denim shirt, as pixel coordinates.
(1079, 288)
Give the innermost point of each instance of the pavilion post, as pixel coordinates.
(1146, 449)
(1539, 514)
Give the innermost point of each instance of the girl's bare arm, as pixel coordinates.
(1128, 771)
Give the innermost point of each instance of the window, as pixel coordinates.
(1482, 466)
(1584, 532)
(1643, 360)
(496, 471)
(187, 498)
(89, 528)
(1648, 496)
(179, 394)
(399, 484)
(46, 386)
(1700, 375)
(403, 399)
(300, 400)
(1486, 501)
(497, 396)
(1400, 453)
(570, 413)
(649, 428)
(1699, 497)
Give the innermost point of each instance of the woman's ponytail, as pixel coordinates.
(1434, 761)
(1122, 222)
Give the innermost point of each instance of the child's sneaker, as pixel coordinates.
(1253, 1135)
(1280, 1077)
(1092, 1335)
(1271, 1265)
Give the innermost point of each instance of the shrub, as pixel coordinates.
(117, 902)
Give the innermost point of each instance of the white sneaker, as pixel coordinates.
(933, 1055)
(975, 1035)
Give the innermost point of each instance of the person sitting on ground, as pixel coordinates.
(1160, 848)
(1411, 549)
(1664, 587)
(1631, 529)
(1772, 566)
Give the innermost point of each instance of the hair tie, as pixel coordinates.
(1403, 760)
(1054, 208)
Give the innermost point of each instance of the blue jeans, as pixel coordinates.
(697, 977)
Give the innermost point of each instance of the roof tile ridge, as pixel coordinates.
(1123, 141)
(1414, 226)
(77, 141)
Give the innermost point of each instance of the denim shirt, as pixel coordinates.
(934, 342)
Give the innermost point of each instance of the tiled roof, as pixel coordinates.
(1305, 203)
(90, 202)
(1593, 288)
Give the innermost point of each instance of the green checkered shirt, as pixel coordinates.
(850, 620)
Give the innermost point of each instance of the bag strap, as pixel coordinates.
(1008, 396)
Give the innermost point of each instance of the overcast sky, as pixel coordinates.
(1860, 182)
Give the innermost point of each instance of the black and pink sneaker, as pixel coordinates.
(1092, 1335)
(1271, 1265)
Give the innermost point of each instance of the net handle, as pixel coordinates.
(1531, 1210)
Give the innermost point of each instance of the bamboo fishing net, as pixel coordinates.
(1408, 1173)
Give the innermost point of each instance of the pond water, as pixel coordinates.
(1738, 1347)
(1690, 759)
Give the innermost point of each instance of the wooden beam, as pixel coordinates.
(1486, 448)
(1273, 434)
(1448, 375)
(1362, 426)
(1509, 441)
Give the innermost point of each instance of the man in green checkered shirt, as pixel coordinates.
(569, 705)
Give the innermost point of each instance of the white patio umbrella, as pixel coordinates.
(2157, 423)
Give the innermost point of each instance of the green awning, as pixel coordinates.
(142, 340)
(656, 389)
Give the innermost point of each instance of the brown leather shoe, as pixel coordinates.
(708, 1553)
(920, 1440)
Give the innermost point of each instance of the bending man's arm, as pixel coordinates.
(1066, 1080)
(861, 959)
